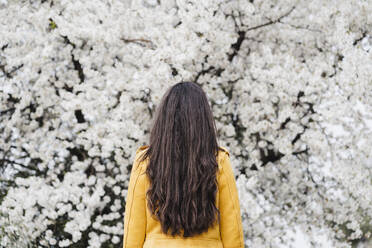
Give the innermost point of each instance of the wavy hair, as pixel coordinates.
(182, 162)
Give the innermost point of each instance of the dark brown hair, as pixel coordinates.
(182, 166)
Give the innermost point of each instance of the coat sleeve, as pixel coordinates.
(231, 229)
(135, 208)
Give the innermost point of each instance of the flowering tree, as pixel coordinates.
(290, 84)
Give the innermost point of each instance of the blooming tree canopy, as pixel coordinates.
(289, 82)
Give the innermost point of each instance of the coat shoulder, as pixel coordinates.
(142, 148)
(222, 154)
(224, 149)
(140, 152)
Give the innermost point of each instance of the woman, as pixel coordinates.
(182, 191)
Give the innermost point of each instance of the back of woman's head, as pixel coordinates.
(182, 166)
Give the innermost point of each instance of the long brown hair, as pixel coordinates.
(182, 166)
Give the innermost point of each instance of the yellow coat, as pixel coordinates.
(141, 230)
